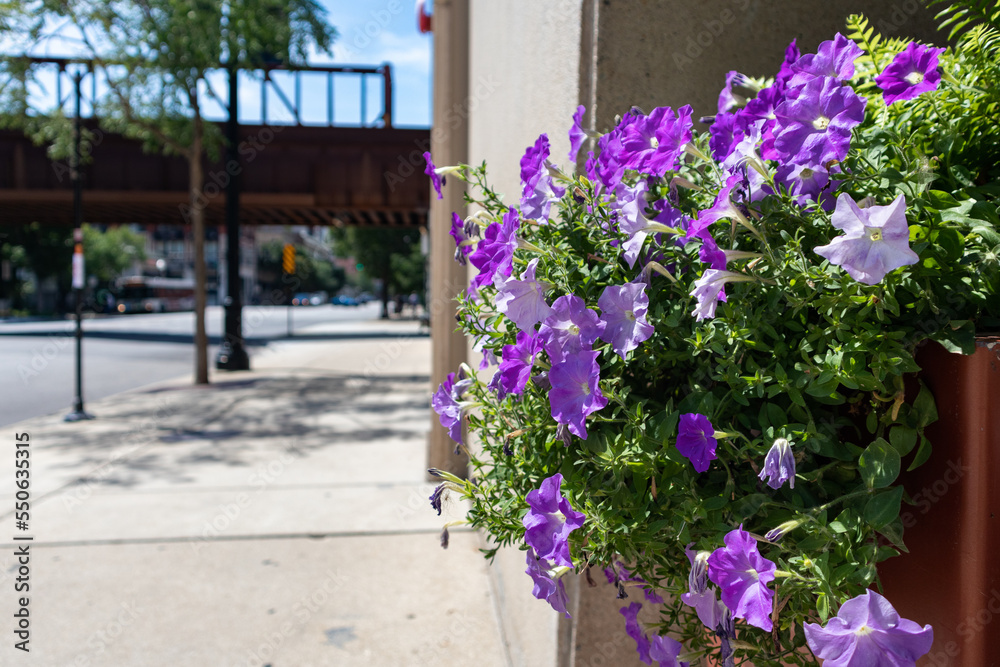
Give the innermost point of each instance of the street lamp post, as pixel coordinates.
(232, 353)
(78, 412)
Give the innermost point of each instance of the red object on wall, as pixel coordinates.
(423, 18)
(951, 577)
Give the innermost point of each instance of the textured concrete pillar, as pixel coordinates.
(449, 145)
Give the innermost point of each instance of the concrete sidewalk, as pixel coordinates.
(277, 517)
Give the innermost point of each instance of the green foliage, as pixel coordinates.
(799, 351)
(107, 253)
(960, 15)
(385, 253)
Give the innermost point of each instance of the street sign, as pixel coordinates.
(288, 258)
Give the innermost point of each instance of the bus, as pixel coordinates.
(143, 294)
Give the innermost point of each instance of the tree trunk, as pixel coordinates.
(198, 230)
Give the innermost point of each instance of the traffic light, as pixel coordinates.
(288, 258)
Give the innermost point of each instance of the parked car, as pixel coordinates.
(344, 300)
(302, 299)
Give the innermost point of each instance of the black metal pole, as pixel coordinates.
(232, 353)
(78, 275)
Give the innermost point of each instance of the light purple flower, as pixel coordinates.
(834, 59)
(779, 465)
(695, 441)
(633, 630)
(623, 312)
(721, 209)
(814, 126)
(631, 205)
(708, 291)
(912, 72)
(548, 586)
(806, 184)
(495, 253)
(538, 190)
(576, 134)
(517, 362)
(549, 522)
(875, 240)
(665, 650)
(523, 301)
(446, 403)
(575, 392)
(742, 575)
(571, 328)
(704, 600)
(868, 632)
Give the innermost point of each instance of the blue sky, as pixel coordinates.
(371, 32)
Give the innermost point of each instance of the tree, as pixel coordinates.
(157, 55)
(390, 255)
(107, 254)
(311, 275)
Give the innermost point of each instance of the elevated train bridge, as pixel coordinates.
(292, 171)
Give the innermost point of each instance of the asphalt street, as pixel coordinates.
(37, 359)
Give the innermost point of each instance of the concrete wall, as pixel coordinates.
(531, 51)
(673, 52)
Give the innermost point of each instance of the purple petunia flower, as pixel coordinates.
(912, 72)
(721, 209)
(727, 100)
(868, 631)
(631, 205)
(446, 403)
(695, 441)
(704, 600)
(538, 189)
(742, 575)
(665, 651)
(724, 135)
(431, 171)
(517, 362)
(575, 392)
(708, 291)
(462, 249)
(814, 126)
(495, 253)
(785, 73)
(548, 585)
(875, 240)
(571, 328)
(618, 574)
(523, 301)
(806, 184)
(576, 134)
(549, 522)
(833, 59)
(633, 630)
(652, 144)
(623, 312)
(779, 465)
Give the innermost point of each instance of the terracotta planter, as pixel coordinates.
(951, 577)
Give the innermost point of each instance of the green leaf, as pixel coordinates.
(884, 508)
(879, 464)
(903, 439)
(924, 408)
(923, 453)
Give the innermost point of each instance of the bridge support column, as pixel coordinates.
(449, 145)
